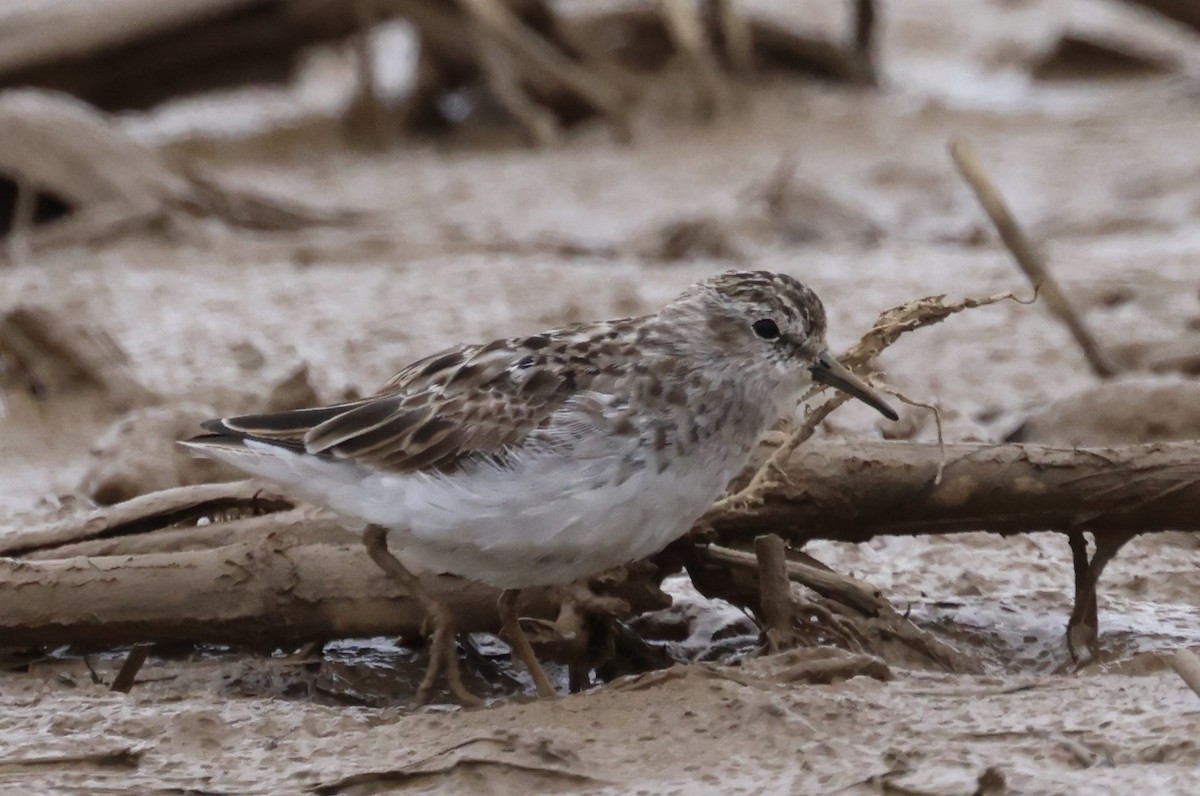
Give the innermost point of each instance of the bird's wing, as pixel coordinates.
(465, 401)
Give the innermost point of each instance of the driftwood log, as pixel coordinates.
(262, 594)
(853, 491)
(265, 585)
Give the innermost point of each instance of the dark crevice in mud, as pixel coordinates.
(216, 510)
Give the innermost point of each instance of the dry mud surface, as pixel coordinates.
(470, 241)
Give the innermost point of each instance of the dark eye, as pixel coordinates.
(766, 329)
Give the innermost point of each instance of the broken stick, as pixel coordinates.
(129, 669)
(1027, 256)
(775, 592)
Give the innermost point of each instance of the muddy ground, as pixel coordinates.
(476, 237)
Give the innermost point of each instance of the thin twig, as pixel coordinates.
(24, 212)
(739, 42)
(1187, 665)
(820, 617)
(538, 122)
(916, 314)
(682, 18)
(377, 131)
(116, 757)
(937, 420)
(1027, 256)
(96, 680)
(857, 594)
(156, 510)
(129, 669)
(864, 27)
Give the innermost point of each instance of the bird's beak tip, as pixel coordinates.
(827, 370)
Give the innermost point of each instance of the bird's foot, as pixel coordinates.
(443, 660)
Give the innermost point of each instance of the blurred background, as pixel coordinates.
(216, 206)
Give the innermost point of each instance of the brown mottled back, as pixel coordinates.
(464, 401)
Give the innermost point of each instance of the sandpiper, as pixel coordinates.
(543, 459)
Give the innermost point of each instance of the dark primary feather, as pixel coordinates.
(277, 425)
(464, 401)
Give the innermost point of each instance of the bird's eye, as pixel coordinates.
(766, 329)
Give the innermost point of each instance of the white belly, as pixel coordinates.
(548, 520)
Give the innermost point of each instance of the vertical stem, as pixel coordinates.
(129, 669)
(775, 590)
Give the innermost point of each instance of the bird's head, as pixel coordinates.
(767, 327)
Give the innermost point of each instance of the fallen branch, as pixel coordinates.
(273, 587)
(739, 42)
(854, 491)
(263, 594)
(642, 40)
(503, 78)
(910, 489)
(845, 491)
(151, 512)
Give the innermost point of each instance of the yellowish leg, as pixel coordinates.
(514, 635)
(443, 657)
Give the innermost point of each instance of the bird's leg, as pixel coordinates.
(443, 657)
(447, 660)
(514, 635)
